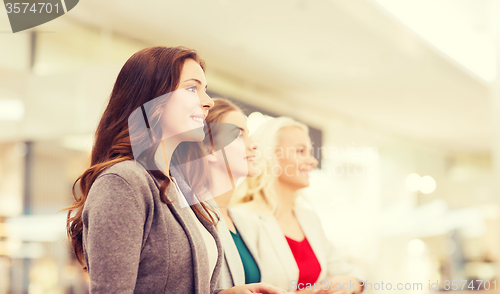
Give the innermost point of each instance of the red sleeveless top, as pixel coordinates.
(309, 267)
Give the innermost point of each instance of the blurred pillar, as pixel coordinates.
(28, 170)
(27, 208)
(32, 51)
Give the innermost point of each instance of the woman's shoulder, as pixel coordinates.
(123, 183)
(129, 171)
(122, 179)
(247, 220)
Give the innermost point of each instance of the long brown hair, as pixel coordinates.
(215, 115)
(221, 107)
(148, 74)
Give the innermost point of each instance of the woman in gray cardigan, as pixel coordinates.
(130, 226)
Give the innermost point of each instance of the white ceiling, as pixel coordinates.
(345, 58)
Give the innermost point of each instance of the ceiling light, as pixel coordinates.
(413, 182)
(427, 184)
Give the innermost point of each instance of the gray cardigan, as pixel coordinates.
(135, 243)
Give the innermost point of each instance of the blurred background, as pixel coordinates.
(402, 98)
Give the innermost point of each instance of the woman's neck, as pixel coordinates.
(286, 197)
(223, 201)
(221, 187)
(164, 153)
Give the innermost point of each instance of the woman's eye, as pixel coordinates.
(191, 89)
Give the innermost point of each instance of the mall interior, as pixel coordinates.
(402, 98)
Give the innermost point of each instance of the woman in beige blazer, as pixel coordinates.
(294, 251)
(231, 154)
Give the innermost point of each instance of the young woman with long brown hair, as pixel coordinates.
(129, 225)
(228, 166)
(230, 153)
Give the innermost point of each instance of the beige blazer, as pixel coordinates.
(277, 263)
(232, 272)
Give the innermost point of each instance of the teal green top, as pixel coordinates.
(252, 272)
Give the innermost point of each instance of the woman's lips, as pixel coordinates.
(197, 119)
(250, 158)
(305, 172)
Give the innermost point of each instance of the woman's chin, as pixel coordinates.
(200, 135)
(252, 172)
(196, 135)
(237, 174)
(304, 184)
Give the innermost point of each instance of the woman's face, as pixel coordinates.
(241, 152)
(294, 156)
(185, 111)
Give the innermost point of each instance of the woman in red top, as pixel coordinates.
(292, 245)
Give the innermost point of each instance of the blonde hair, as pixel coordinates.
(260, 191)
(215, 115)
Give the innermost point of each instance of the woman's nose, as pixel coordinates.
(253, 145)
(206, 102)
(314, 161)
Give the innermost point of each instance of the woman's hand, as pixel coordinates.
(263, 288)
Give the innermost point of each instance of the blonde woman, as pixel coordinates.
(291, 243)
